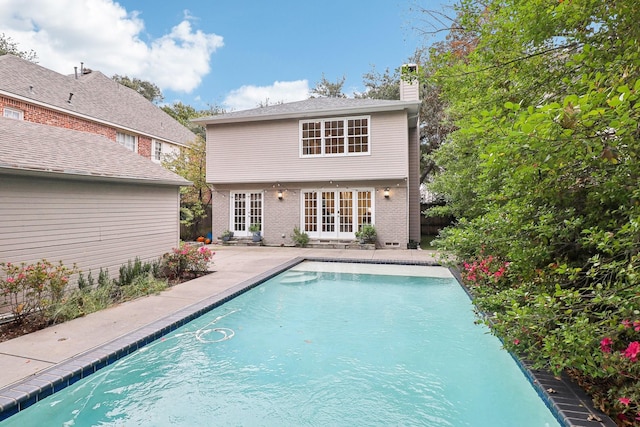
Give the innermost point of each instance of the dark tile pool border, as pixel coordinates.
(569, 404)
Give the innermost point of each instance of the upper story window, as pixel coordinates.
(129, 141)
(334, 137)
(13, 113)
(157, 151)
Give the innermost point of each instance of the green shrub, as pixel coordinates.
(300, 238)
(186, 260)
(33, 289)
(367, 233)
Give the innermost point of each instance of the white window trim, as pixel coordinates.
(11, 113)
(135, 141)
(154, 143)
(245, 232)
(337, 234)
(346, 152)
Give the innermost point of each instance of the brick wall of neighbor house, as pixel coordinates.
(144, 146)
(93, 224)
(46, 116)
(281, 216)
(391, 218)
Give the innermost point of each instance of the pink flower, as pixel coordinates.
(516, 341)
(626, 323)
(10, 280)
(636, 325)
(632, 351)
(624, 400)
(605, 345)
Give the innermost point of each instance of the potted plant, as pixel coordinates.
(255, 229)
(366, 234)
(227, 235)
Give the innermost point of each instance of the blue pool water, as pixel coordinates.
(313, 348)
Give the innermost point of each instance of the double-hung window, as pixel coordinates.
(335, 136)
(157, 151)
(13, 113)
(128, 141)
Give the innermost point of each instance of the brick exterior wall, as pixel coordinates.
(281, 216)
(392, 218)
(49, 117)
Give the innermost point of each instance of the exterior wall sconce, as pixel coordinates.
(386, 193)
(279, 194)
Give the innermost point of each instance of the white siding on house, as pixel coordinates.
(269, 151)
(92, 224)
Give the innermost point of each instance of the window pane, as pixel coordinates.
(157, 150)
(239, 212)
(358, 131)
(128, 141)
(255, 214)
(334, 137)
(364, 207)
(311, 212)
(328, 211)
(311, 138)
(346, 211)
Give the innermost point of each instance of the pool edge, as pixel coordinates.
(566, 400)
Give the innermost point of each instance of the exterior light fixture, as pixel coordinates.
(279, 194)
(386, 193)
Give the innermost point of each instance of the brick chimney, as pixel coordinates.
(409, 84)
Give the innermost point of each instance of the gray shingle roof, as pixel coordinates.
(312, 108)
(94, 95)
(35, 148)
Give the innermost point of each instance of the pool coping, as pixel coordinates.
(571, 406)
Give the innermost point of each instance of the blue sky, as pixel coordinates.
(232, 54)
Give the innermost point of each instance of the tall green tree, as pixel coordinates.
(147, 89)
(8, 46)
(190, 163)
(543, 175)
(328, 89)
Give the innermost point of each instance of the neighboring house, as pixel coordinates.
(325, 165)
(77, 197)
(91, 102)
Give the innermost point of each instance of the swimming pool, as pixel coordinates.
(321, 344)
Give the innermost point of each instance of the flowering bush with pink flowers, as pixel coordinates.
(33, 288)
(485, 271)
(186, 260)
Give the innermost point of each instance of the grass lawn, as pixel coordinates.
(425, 241)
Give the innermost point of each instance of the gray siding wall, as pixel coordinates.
(91, 224)
(269, 152)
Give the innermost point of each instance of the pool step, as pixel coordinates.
(298, 278)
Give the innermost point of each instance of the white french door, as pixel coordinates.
(246, 209)
(336, 214)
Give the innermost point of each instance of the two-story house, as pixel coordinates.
(325, 165)
(68, 191)
(91, 102)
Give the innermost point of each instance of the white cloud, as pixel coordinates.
(106, 37)
(252, 96)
